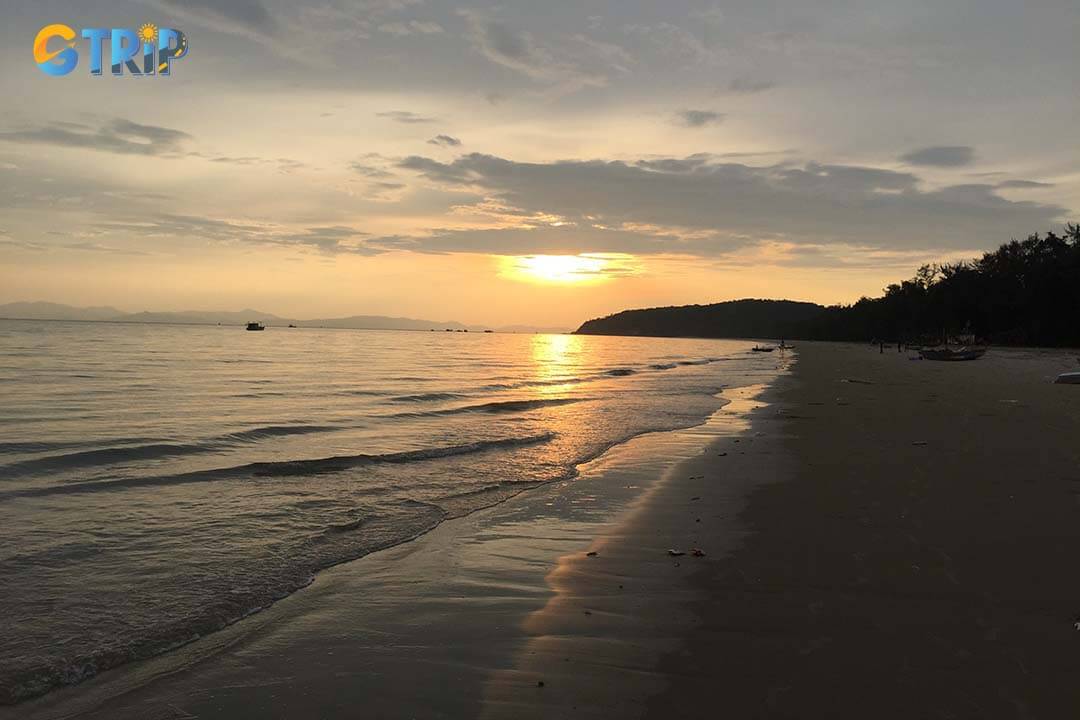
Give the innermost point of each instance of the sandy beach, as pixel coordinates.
(879, 537)
(918, 561)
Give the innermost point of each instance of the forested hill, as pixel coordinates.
(738, 318)
(1027, 292)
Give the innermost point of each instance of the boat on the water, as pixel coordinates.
(1069, 378)
(761, 348)
(944, 352)
(255, 326)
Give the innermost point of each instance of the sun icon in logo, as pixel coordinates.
(148, 33)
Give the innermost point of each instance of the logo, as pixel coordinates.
(150, 50)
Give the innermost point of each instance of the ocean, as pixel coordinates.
(159, 482)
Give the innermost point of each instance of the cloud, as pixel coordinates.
(84, 246)
(747, 86)
(119, 136)
(95, 247)
(941, 156)
(444, 141)
(231, 15)
(246, 160)
(569, 63)
(370, 171)
(406, 117)
(288, 165)
(711, 15)
(23, 244)
(699, 118)
(329, 239)
(1023, 185)
(284, 165)
(570, 238)
(714, 202)
(412, 27)
(674, 43)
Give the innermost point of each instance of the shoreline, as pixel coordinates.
(87, 671)
(100, 693)
(599, 642)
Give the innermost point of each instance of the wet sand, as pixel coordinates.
(469, 619)
(896, 547)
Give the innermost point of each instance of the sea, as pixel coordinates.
(159, 482)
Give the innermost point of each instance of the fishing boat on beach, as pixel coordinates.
(253, 326)
(761, 348)
(944, 352)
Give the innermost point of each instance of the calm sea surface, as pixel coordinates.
(158, 482)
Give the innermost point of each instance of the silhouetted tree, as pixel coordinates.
(1025, 292)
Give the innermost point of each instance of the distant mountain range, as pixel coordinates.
(734, 319)
(56, 311)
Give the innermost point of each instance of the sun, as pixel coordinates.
(568, 269)
(148, 33)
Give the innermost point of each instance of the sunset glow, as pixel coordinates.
(571, 165)
(569, 269)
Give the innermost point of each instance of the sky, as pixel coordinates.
(530, 162)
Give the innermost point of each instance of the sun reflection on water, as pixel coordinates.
(556, 358)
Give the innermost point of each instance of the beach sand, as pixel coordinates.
(920, 562)
(896, 547)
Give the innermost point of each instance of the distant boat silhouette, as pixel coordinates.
(761, 348)
(952, 354)
(291, 325)
(255, 326)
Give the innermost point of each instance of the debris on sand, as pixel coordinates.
(697, 552)
(857, 381)
(675, 553)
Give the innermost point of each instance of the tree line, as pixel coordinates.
(1027, 292)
